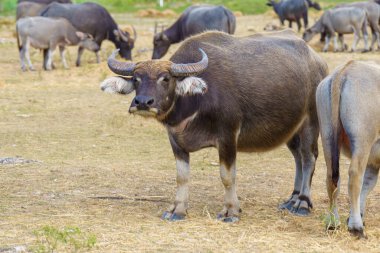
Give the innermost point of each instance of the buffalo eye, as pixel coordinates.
(136, 81)
(165, 81)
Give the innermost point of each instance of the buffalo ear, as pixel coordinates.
(269, 4)
(190, 86)
(117, 84)
(80, 35)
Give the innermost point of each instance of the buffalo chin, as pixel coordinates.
(151, 112)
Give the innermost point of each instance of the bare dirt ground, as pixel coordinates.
(113, 174)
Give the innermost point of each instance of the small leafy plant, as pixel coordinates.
(69, 239)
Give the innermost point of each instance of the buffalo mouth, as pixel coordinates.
(150, 112)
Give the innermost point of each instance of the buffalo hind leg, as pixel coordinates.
(369, 182)
(294, 147)
(355, 182)
(309, 153)
(227, 157)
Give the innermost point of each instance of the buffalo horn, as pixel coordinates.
(134, 33)
(190, 69)
(120, 68)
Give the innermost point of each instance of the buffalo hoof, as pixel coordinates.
(172, 216)
(288, 205)
(232, 219)
(358, 233)
(300, 211)
(77, 64)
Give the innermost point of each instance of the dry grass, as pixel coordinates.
(113, 174)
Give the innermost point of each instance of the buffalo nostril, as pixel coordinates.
(137, 102)
(150, 101)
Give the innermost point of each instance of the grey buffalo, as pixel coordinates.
(373, 17)
(293, 10)
(48, 33)
(46, 1)
(28, 9)
(215, 92)
(343, 20)
(93, 19)
(195, 19)
(348, 103)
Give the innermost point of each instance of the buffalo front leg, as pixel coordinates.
(369, 182)
(80, 52)
(178, 210)
(231, 208)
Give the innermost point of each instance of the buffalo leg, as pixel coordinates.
(80, 52)
(178, 209)
(227, 157)
(369, 182)
(336, 49)
(49, 61)
(27, 54)
(62, 53)
(299, 25)
(356, 39)
(309, 153)
(365, 37)
(22, 58)
(294, 147)
(327, 43)
(97, 57)
(355, 182)
(305, 20)
(290, 24)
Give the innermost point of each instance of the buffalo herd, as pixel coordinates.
(239, 94)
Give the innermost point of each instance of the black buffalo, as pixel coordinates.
(293, 10)
(248, 94)
(93, 19)
(195, 19)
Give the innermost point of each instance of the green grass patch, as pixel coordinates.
(68, 239)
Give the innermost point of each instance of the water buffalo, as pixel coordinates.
(342, 21)
(93, 19)
(348, 103)
(28, 9)
(373, 17)
(46, 1)
(195, 19)
(48, 33)
(293, 10)
(215, 91)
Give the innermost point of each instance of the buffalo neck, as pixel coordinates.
(174, 33)
(183, 108)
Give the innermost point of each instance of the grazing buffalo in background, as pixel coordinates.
(28, 9)
(348, 103)
(194, 20)
(373, 17)
(46, 1)
(343, 20)
(48, 33)
(93, 19)
(293, 10)
(247, 94)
